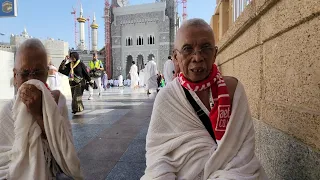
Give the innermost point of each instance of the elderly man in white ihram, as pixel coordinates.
(188, 138)
(35, 133)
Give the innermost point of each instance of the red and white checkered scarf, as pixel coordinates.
(221, 111)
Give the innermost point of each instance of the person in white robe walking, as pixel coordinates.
(120, 78)
(168, 70)
(151, 75)
(134, 75)
(142, 78)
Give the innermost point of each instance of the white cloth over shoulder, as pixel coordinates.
(26, 157)
(179, 147)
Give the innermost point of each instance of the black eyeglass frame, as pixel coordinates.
(193, 52)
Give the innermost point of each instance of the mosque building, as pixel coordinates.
(140, 33)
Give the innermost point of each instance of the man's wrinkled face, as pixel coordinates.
(31, 64)
(195, 52)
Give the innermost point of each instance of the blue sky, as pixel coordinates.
(52, 18)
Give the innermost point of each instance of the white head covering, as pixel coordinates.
(52, 67)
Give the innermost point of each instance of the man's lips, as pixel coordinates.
(197, 69)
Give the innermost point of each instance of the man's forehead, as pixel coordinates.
(192, 35)
(27, 59)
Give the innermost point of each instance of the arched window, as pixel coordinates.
(129, 41)
(151, 39)
(140, 40)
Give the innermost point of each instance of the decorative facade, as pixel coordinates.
(141, 32)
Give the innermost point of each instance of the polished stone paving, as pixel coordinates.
(110, 133)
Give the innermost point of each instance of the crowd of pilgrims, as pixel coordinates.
(54, 77)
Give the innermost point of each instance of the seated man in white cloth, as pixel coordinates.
(35, 134)
(187, 137)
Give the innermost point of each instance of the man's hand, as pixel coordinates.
(32, 98)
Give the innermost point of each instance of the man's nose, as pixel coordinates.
(197, 57)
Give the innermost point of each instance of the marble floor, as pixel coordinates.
(110, 134)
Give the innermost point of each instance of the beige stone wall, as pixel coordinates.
(273, 48)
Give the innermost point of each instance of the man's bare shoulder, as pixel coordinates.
(231, 83)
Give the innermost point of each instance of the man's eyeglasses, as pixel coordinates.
(27, 73)
(205, 51)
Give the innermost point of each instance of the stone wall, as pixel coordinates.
(273, 48)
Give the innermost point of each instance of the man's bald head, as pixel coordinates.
(31, 62)
(192, 23)
(31, 48)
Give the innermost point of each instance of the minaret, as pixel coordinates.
(94, 34)
(25, 33)
(81, 20)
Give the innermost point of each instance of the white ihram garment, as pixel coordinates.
(120, 81)
(141, 78)
(23, 153)
(134, 76)
(151, 75)
(168, 69)
(179, 146)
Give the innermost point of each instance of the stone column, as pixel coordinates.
(223, 18)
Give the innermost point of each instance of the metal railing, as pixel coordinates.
(238, 7)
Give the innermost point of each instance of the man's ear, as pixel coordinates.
(174, 57)
(215, 54)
